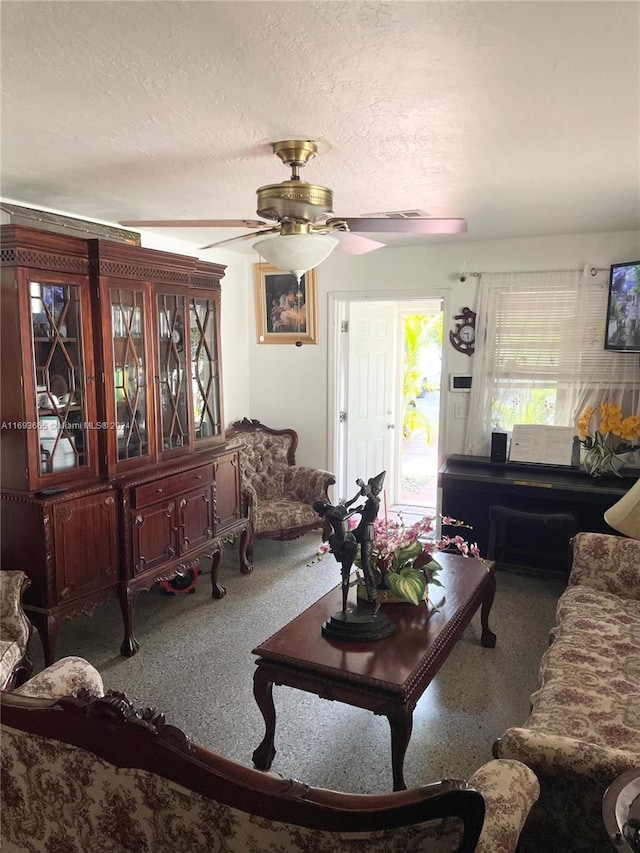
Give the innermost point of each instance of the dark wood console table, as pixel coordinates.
(385, 676)
(471, 484)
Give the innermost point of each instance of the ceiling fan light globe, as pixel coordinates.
(296, 253)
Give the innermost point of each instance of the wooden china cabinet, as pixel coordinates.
(115, 472)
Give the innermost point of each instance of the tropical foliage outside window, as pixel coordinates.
(422, 332)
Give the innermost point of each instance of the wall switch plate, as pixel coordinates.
(459, 409)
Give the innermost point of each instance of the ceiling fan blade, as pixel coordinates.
(274, 230)
(195, 223)
(401, 225)
(354, 244)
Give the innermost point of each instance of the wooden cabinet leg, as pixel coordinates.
(217, 590)
(127, 600)
(47, 627)
(263, 692)
(246, 551)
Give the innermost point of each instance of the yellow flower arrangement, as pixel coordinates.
(613, 437)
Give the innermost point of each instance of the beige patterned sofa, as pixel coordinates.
(278, 494)
(91, 772)
(15, 630)
(584, 726)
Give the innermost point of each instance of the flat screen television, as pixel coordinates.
(623, 308)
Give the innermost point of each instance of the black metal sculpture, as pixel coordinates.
(357, 625)
(342, 542)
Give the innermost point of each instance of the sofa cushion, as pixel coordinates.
(130, 809)
(279, 515)
(590, 675)
(608, 563)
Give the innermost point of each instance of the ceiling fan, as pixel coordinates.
(303, 213)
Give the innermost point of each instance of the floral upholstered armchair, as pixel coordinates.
(91, 771)
(278, 494)
(15, 630)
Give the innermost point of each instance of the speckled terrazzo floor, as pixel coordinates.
(195, 665)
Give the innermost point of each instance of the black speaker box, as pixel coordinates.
(498, 446)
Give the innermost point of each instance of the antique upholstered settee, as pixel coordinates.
(584, 727)
(15, 630)
(91, 772)
(278, 494)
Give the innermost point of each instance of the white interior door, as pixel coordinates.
(370, 394)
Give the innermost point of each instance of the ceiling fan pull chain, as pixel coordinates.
(298, 298)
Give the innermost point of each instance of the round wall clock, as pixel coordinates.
(463, 337)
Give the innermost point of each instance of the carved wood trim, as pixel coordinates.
(45, 500)
(84, 607)
(252, 425)
(44, 260)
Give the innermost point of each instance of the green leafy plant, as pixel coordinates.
(419, 331)
(403, 555)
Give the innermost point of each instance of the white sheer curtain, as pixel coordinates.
(539, 355)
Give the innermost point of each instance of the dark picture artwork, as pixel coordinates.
(285, 305)
(623, 310)
(285, 311)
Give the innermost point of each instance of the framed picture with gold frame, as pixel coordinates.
(285, 314)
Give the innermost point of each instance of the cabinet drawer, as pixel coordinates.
(169, 487)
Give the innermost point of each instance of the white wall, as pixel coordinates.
(288, 385)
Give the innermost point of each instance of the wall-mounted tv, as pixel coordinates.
(623, 309)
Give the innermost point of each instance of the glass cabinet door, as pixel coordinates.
(130, 374)
(205, 369)
(173, 372)
(61, 393)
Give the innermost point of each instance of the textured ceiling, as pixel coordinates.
(522, 117)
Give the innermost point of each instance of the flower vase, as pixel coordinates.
(599, 461)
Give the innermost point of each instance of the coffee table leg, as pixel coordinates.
(263, 693)
(488, 639)
(401, 722)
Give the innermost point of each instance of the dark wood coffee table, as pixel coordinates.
(384, 676)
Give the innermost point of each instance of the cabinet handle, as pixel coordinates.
(198, 476)
(159, 490)
(171, 552)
